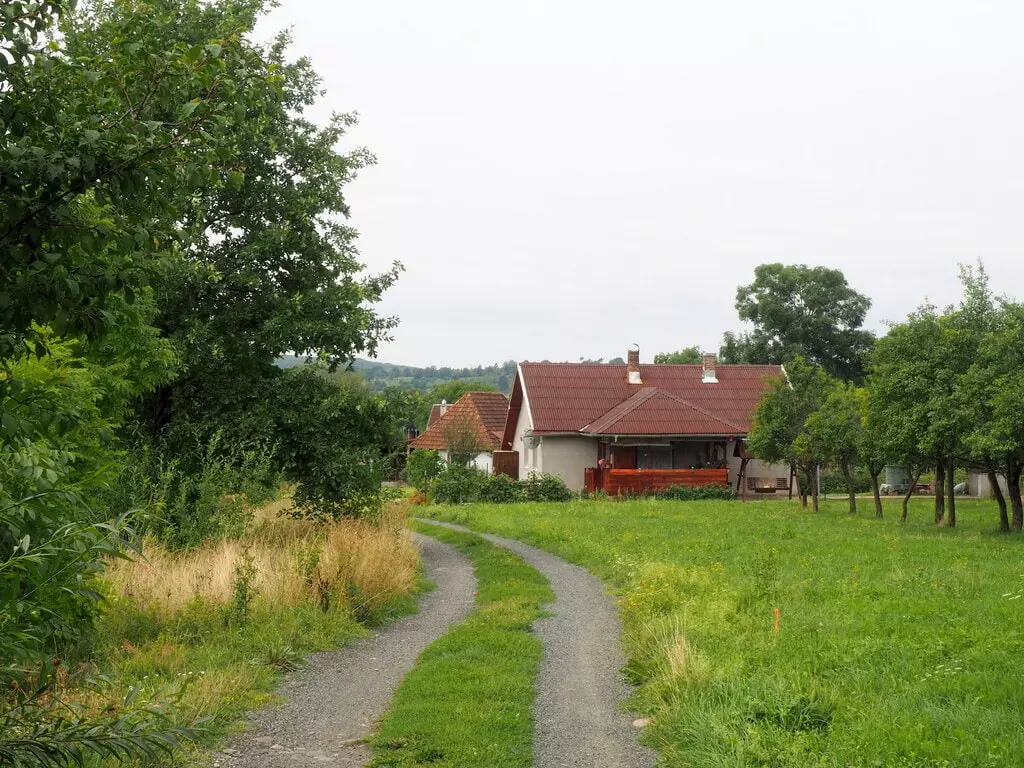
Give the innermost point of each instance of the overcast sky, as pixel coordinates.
(562, 179)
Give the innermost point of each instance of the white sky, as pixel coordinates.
(564, 178)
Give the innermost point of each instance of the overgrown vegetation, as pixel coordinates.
(468, 701)
(211, 629)
(170, 224)
(897, 644)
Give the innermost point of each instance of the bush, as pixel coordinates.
(467, 485)
(545, 487)
(697, 493)
(459, 485)
(422, 467)
(502, 489)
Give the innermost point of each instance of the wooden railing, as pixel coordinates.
(639, 482)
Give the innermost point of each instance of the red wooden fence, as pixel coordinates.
(637, 482)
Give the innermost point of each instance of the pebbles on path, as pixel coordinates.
(332, 704)
(580, 719)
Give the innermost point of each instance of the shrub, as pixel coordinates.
(697, 493)
(501, 489)
(422, 467)
(459, 485)
(544, 487)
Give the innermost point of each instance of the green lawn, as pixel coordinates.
(899, 645)
(468, 701)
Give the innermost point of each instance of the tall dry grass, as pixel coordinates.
(364, 564)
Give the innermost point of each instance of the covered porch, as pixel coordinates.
(644, 465)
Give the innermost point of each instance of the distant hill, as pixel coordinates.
(383, 375)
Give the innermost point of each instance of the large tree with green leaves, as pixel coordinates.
(799, 310)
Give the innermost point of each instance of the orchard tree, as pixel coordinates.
(834, 433)
(799, 310)
(778, 433)
(993, 393)
(682, 356)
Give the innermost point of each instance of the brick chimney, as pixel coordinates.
(710, 363)
(633, 365)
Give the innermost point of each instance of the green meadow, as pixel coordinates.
(893, 644)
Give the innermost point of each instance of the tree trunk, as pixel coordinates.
(997, 494)
(848, 476)
(1014, 468)
(875, 492)
(814, 490)
(913, 477)
(950, 485)
(940, 499)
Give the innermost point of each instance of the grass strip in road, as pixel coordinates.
(469, 700)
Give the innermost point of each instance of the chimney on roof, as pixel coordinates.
(633, 365)
(710, 363)
(443, 409)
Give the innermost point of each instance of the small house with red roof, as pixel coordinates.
(665, 424)
(476, 420)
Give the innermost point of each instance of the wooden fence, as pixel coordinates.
(639, 482)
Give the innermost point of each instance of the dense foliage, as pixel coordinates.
(796, 310)
(170, 224)
(942, 392)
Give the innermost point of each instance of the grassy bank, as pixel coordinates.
(898, 645)
(212, 629)
(467, 703)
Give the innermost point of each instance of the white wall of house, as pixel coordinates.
(567, 456)
(482, 461)
(528, 461)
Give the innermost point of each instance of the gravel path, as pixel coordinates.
(334, 701)
(580, 719)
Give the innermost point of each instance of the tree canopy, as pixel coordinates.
(799, 310)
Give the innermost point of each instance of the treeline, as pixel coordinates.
(941, 391)
(171, 224)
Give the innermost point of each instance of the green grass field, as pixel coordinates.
(898, 645)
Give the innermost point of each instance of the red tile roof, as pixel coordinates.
(482, 412)
(568, 397)
(435, 414)
(653, 411)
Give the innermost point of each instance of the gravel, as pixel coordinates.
(580, 720)
(332, 704)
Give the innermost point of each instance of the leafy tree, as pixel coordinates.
(681, 356)
(835, 433)
(422, 467)
(801, 310)
(462, 437)
(918, 377)
(94, 138)
(993, 394)
(779, 434)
